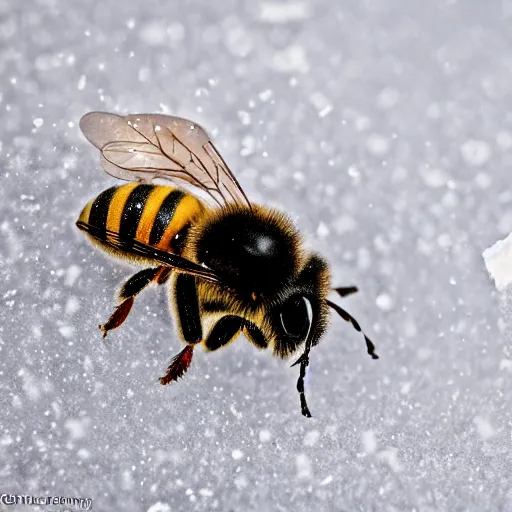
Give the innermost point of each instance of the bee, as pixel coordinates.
(233, 266)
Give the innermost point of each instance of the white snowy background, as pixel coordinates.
(385, 129)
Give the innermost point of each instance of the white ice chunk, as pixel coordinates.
(498, 261)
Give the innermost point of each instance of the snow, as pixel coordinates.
(498, 261)
(475, 152)
(284, 12)
(388, 138)
(384, 301)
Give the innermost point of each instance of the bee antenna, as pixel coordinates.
(349, 318)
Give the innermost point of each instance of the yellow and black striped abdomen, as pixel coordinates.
(153, 214)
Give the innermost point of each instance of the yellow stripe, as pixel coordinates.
(84, 216)
(188, 208)
(151, 208)
(115, 210)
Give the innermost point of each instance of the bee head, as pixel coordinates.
(301, 312)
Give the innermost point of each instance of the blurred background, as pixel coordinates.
(384, 129)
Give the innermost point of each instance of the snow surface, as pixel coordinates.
(385, 129)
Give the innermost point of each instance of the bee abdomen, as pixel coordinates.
(156, 215)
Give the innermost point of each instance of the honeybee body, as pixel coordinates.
(234, 267)
(254, 250)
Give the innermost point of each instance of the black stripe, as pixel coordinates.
(164, 216)
(188, 308)
(180, 239)
(132, 211)
(99, 211)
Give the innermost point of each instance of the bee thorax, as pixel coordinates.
(253, 252)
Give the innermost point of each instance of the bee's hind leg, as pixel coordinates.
(129, 290)
(185, 299)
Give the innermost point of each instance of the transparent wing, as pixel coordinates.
(149, 146)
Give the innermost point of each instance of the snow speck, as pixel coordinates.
(241, 482)
(390, 457)
(322, 230)
(485, 429)
(72, 274)
(82, 82)
(77, 427)
(83, 454)
(369, 441)
(237, 454)
(327, 480)
(144, 74)
(311, 438)
(38, 122)
(434, 178)
(176, 32)
(265, 95)
(127, 481)
(284, 12)
(504, 140)
(245, 117)
(475, 152)
(321, 103)
(248, 145)
(291, 59)
(130, 23)
(385, 302)
(153, 33)
(159, 507)
(506, 365)
(498, 261)
(483, 180)
(67, 331)
(387, 98)
(377, 144)
(344, 224)
(303, 465)
(238, 40)
(265, 436)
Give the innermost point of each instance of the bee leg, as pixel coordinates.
(187, 307)
(344, 291)
(179, 365)
(224, 331)
(129, 290)
(254, 335)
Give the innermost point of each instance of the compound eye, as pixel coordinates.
(296, 317)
